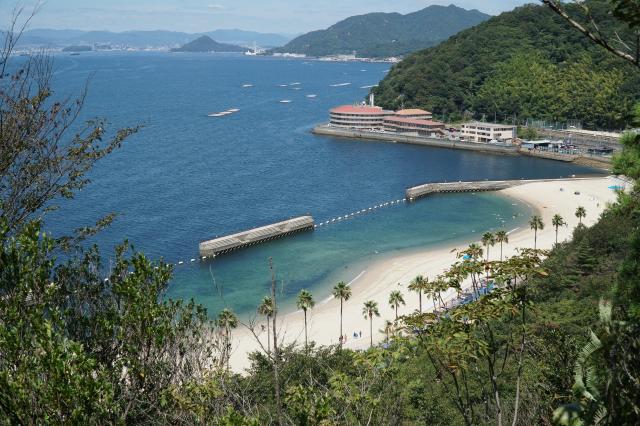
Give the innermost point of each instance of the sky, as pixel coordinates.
(278, 16)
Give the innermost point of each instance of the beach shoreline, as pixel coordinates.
(395, 272)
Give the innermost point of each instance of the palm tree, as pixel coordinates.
(267, 309)
(369, 310)
(488, 240)
(395, 300)
(502, 237)
(305, 301)
(419, 284)
(536, 224)
(557, 222)
(388, 329)
(343, 292)
(581, 213)
(474, 250)
(227, 320)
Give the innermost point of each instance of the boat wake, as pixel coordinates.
(340, 84)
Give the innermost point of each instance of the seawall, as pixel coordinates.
(598, 162)
(414, 140)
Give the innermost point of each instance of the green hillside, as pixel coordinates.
(386, 34)
(522, 64)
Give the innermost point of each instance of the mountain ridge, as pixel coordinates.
(206, 44)
(381, 34)
(525, 63)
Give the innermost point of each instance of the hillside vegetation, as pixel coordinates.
(386, 34)
(522, 64)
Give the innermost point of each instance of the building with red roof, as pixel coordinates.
(358, 116)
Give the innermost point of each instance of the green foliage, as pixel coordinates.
(527, 133)
(522, 64)
(43, 373)
(627, 162)
(606, 375)
(76, 347)
(385, 34)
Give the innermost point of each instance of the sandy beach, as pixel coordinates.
(546, 198)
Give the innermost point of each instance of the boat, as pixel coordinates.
(247, 85)
(282, 85)
(295, 84)
(311, 96)
(233, 110)
(340, 84)
(285, 101)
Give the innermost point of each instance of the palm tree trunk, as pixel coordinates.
(420, 300)
(500, 251)
(306, 344)
(371, 330)
(341, 342)
(268, 337)
(396, 312)
(556, 235)
(535, 239)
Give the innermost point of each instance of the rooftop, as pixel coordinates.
(412, 111)
(490, 125)
(414, 121)
(359, 109)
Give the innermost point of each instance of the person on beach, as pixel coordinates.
(361, 334)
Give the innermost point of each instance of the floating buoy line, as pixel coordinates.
(320, 225)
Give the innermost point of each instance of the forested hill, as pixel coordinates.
(386, 34)
(526, 63)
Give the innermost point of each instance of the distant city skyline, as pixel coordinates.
(275, 16)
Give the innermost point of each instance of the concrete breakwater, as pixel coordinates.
(414, 140)
(254, 236)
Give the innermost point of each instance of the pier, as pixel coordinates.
(420, 191)
(255, 236)
(444, 187)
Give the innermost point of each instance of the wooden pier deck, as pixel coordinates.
(255, 236)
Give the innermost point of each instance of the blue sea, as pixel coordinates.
(187, 177)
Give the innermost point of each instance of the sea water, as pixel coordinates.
(186, 176)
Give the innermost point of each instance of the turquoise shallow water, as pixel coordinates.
(342, 250)
(186, 177)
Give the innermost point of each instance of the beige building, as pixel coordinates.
(418, 114)
(487, 132)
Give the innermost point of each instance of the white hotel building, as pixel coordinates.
(487, 132)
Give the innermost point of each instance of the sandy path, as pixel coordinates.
(395, 273)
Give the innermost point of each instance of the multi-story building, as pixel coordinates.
(487, 132)
(413, 126)
(358, 116)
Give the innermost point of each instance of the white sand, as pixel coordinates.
(395, 273)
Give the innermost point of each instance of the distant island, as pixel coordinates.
(147, 40)
(77, 49)
(207, 44)
(376, 35)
